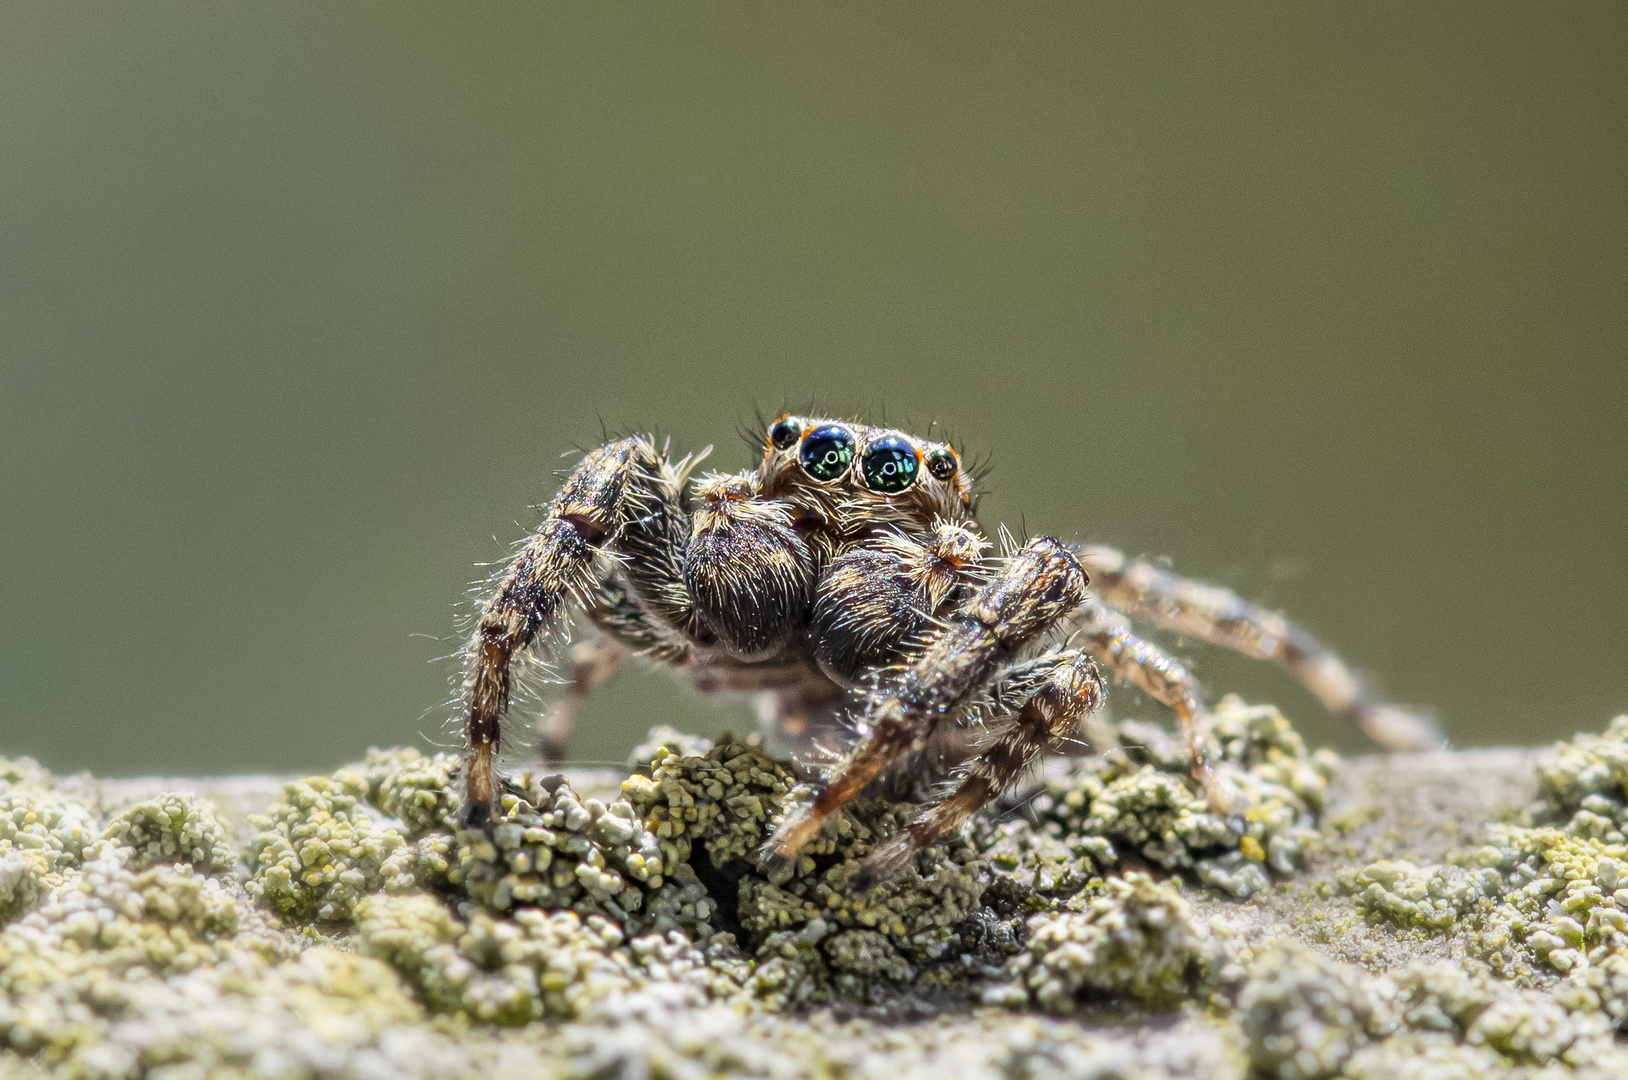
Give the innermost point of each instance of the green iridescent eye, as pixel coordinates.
(942, 464)
(827, 452)
(890, 465)
(784, 432)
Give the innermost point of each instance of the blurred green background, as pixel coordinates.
(301, 305)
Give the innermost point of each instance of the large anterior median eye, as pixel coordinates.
(890, 465)
(827, 452)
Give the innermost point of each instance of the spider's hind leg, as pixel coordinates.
(1106, 636)
(592, 662)
(625, 629)
(1144, 591)
(1034, 707)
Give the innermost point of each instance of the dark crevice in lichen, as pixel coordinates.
(723, 885)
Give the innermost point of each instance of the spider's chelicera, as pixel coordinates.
(847, 581)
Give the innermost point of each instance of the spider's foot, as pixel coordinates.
(866, 878)
(1223, 803)
(1400, 729)
(774, 866)
(796, 829)
(886, 862)
(477, 815)
(550, 752)
(872, 872)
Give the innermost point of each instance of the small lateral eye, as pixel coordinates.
(784, 432)
(827, 452)
(890, 465)
(942, 464)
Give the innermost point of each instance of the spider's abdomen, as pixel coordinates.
(749, 576)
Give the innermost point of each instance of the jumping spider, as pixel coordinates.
(848, 571)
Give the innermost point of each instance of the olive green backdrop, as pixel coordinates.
(301, 305)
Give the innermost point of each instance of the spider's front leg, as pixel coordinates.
(1039, 585)
(621, 484)
(1031, 709)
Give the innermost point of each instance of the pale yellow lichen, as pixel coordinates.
(173, 828)
(1137, 937)
(1138, 801)
(322, 848)
(42, 836)
(1535, 896)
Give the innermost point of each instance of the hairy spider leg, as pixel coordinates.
(1106, 635)
(555, 566)
(1039, 585)
(619, 617)
(1210, 613)
(592, 662)
(1032, 708)
(625, 629)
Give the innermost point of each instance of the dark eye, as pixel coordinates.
(942, 464)
(827, 452)
(890, 465)
(784, 432)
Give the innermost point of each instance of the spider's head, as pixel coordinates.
(850, 473)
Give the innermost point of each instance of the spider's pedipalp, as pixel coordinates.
(1039, 585)
(747, 572)
(880, 597)
(1028, 711)
(1210, 613)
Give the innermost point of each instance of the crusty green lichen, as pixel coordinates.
(42, 835)
(1304, 1017)
(812, 937)
(1432, 897)
(533, 964)
(322, 849)
(360, 934)
(1547, 895)
(109, 939)
(173, 828)
(1138, 937)
(414, 789)
(1135, 803)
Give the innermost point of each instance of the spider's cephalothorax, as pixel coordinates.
(847, 574)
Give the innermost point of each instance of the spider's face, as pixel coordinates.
(852, 473)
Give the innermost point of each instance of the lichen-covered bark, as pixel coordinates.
(1425, 915)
